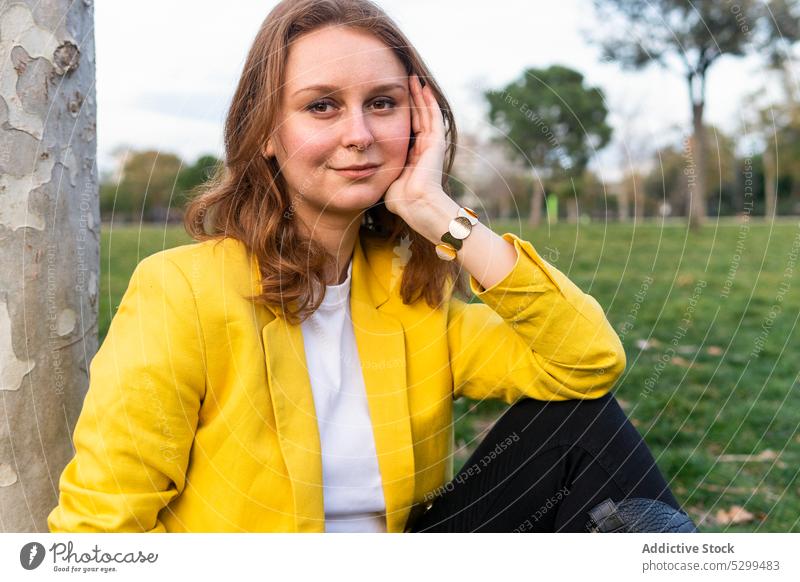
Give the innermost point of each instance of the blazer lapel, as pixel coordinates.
(381, 347)
(295, 419)
(382, 351)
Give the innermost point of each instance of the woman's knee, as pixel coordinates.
(598, 429)
(564, 416)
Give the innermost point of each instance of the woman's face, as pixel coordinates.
(360, 116)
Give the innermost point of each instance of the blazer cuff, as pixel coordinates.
(530, 274)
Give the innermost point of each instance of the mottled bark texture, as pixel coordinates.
(49, 247)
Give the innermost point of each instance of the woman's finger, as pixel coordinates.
(422, 107)
(434, 112)
(437, 120)
(415, 124)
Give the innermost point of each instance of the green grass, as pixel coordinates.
(718, 399)
(121, 249)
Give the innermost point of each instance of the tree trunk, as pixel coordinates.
(537, 199)
(49, 235)
(638, 197)
(572, 210)
(624, 196)
(770, 190)
(504, 208)
(697, 185)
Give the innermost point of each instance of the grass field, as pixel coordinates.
(709, 323)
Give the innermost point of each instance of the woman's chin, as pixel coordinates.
(358, 197)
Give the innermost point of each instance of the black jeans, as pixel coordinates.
(543, 466)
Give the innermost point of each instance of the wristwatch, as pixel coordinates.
(459, 229)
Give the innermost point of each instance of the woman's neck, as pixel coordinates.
(340, 244)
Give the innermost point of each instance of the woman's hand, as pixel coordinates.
(422, 175)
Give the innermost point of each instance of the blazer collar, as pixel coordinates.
(367, 285)
(381, 347)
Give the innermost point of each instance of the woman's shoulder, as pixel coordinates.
(224, 250)
(204, 264)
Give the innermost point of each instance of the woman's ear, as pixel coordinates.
(269, 150)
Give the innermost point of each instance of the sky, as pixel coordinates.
(166, 70)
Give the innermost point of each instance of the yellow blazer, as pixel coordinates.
(200, 416)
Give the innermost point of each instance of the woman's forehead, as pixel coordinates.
(343, 58)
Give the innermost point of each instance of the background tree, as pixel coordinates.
(50, 240)
(777, 125)
(632, 191)
(667, 180)
(721, 171)
(634, 147)
(488, 179)
(600, 201)
(788, 152)
(150, 185)
(147, 184)
(691, 37)
(192, 176)
(149, 180)
(554, 123)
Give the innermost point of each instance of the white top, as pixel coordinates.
(352, 490)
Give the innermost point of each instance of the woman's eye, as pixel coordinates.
(313, 106)
(382, 104)
(388, 103)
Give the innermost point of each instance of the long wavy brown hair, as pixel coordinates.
(247, 198)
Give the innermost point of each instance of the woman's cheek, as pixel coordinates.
(310, 150)
(304, 142)
(396, 150)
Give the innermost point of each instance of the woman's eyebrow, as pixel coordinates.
(331, 89)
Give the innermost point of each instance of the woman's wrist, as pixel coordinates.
(430, 216)
(485, 255)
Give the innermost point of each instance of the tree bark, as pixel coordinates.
(697, 187)
(637, 195)
(770, 180)
(537, 199)
(50, 240)
(572, 210)
(624, 196)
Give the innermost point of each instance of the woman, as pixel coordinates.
(295, 369)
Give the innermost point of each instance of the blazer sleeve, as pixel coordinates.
(135, 430)
(535, 335)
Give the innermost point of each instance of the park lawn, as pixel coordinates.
(121, 249)
(722, 412)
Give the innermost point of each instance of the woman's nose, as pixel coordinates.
(356, 131)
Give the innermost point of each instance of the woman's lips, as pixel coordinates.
(355, 174)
